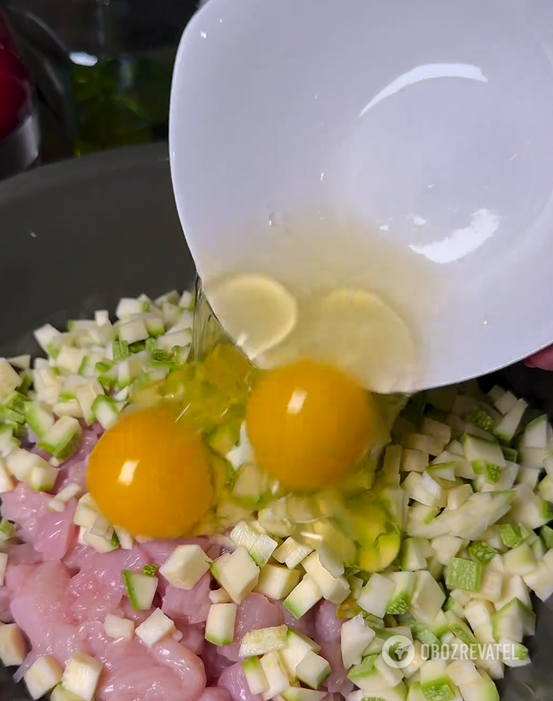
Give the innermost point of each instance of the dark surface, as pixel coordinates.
(76, 236)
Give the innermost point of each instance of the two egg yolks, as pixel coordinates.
(308, 424)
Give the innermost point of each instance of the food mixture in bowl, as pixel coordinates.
(411, 579)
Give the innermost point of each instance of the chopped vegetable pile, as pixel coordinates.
(447, 555)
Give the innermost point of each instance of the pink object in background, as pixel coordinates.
(19, 139)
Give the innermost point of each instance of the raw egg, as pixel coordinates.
(308, 424)
(151, 475)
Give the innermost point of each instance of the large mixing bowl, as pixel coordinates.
(76, 236)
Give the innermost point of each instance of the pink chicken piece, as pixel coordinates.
(41, 607)
(255, 612)
(192, 637)
(130, 673)
(25, 508)
(188, 605)
(214, 662)
(327, 626)
(328, 631)
(212, 693)
(56, 533)
(107, 567)
(234, 682)
(92, 599)
(166, 672)
(338, 681)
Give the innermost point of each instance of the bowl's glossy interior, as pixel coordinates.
(77, 236)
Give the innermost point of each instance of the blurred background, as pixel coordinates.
(78, 76)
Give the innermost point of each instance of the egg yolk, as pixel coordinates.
(150, 475)
(308, 425)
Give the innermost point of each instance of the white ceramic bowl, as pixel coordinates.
(427, 122)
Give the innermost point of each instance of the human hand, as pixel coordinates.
(542, 360)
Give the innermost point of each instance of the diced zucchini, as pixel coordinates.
(391, 674)
(86, 395)
(255, 676)
(535, 433)
(428, 598)
(39, 417)
(171, 340)
(482, 552)
(297, 646)
(458, 496)
(276, 676)
(42, 676)
(313, 670)
(505, 403)
(291, 553)
(140, 589)
(81, 676)
(376, 595)
(520, 560)
(262, 549)
(7, 530)
(106, 411)
(186, 565)
(303, 597)
(42, 479)
(219, 596)
(101, 543)
(541, 580)
(13, 648)
(479, 450)
(507, 427)
(245, 534)
(464, 574)
(295, 693)
(21, 463)
(70, 358)
(412, 555)
(61, 694)
(119, 628)
(239, 575)
(414, 461)
(482, 690)
(446, 547)
(220, 624)
(435, 683)
(276, 582)
(262, 641)
(128, 307)
(9, 380)
(63, 439)
(133, 331)
(156, 627)
(401, 598)
(355, 637)
(20, 362)
(6, 482)
(546, 534)
(335, 589)
(368, 678)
